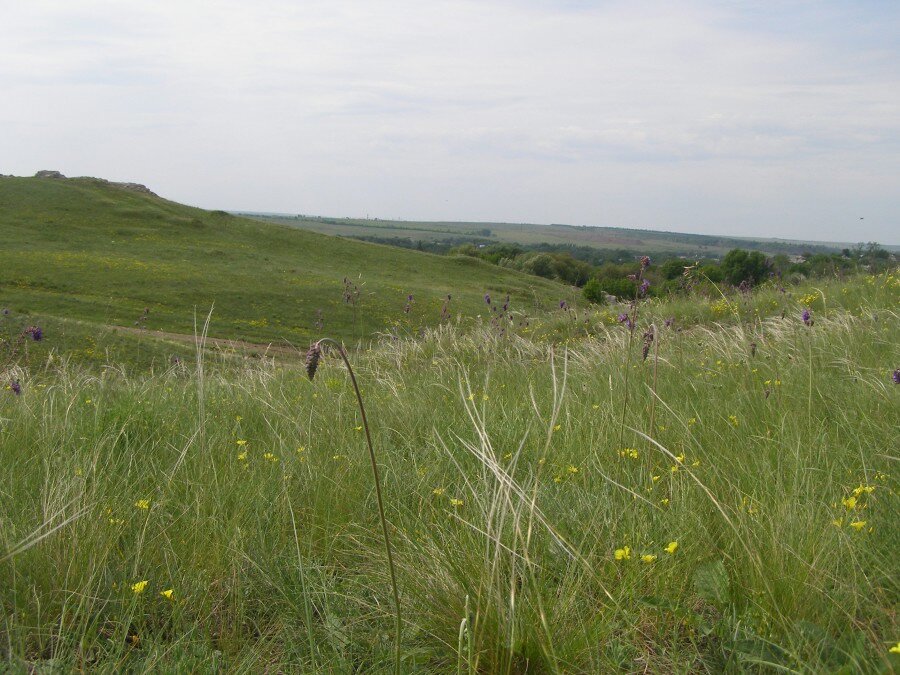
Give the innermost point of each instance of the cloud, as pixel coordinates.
(702, 116)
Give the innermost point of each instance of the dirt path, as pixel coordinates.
(239, 346)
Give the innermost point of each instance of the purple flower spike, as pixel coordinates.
(487, 298)
(645, 286)
(35, 332)
(645, 262)
(669, 322)
(896, 376)
(16, 387)
(807, 317)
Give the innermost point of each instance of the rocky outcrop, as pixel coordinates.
(45, 173)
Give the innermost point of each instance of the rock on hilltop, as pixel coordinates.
(131, 187)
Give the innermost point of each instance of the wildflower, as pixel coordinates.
(312, 359)
(241, 441)
(143, 504)
(669, 322)
(696, 462)
(664, 501)
(645, 262)
(35, 332)
(629, 452)
(572, 469)
(648, 558)
(692, 421)
(437, 492)
(655, 478)
(15, 387)
(895, 649)
(168, 594)
(623, 553)
(674, 468)
(139, 587)
(269, 457)
(807, 317)
(672, 547)
(456, 502)
(242, 457)
(680, 458)
(837, 522)
(557, 427)
(734, 421)
(359, 428)
(849, 502)
(487, 298)
(896, 376)
(644, 287)
(858, 525)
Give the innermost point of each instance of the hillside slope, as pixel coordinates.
(86, 249)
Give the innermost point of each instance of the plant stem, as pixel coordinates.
(378, 498)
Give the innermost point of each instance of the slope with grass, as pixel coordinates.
(90, 250)
(728, 504)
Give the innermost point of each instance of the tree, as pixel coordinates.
(740, 265)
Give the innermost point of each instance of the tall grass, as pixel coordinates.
(507, 491)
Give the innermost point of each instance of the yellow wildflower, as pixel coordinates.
(837, 522)
(572, 469)
(679, 458)
(456, 502)
(858, 525)
(359, 428)
(168, 594)
(142, 504)
(734, 421)
(241, 441)
(139, 587)
(623, 553)
(557, 427)
(438, 491)
(664, 501)
(672, 547)
(895, 649)
(849, 502)
(655, 478)
(269, 457)
(692, 421)
(868, 489)
(242, 456)
(648, 558)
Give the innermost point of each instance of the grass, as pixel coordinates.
(89, 251)
(246, 490)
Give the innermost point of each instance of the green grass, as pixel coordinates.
(272, 547)
(85, 250)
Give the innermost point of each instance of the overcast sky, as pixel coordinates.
(744, 118)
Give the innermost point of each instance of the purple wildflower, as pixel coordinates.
(35, 332)
(645, 286)
(807, 317)
(487, 298)
(669, 322)
(6, 311)
(16, 387)
(563, 304)
(645, 262)
(622, 318)
(312, 359)
(409, 298)
(896, 376)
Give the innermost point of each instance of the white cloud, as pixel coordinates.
(705, 116)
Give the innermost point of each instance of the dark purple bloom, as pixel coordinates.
(807, 317)
(16, 387)
(35, 332)
(409, 298)
(487, 298)
(645, 286)
(5, 311)
(896, 376)
(645, 262)
(622, 318)
(562, 304)
(669, 322)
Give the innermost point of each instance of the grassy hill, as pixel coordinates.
(95, 251)
(602, 238)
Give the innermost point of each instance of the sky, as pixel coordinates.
(772, 119)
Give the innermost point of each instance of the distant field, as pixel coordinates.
(607, 238)
(87, 250)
